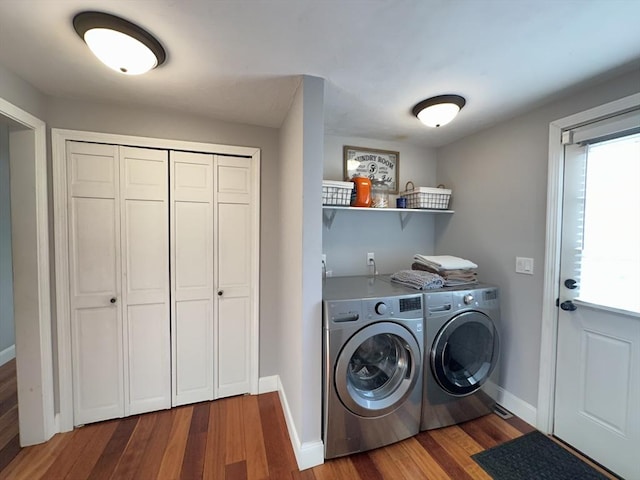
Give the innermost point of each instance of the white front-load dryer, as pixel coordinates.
(462, 352)
(372, 374)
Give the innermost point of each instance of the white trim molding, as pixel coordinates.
(7, 354)
(32, 302)
(268, 384)
(516, 405)
(547, 378)
(308, 454)
(59, 139)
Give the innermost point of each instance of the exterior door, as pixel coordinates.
(598, 362)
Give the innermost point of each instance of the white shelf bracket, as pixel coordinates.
(404, 218)
(328, 216)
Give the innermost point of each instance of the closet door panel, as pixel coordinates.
(193, 252)
(97, 358)
(234, 254)
(146, 252)
(192, 277)
(234, 257)
(149, 358)
(92, 170)
(94, 277)
(94, 239)
(233, 179)
(234, 332)
(193, 346)
(145, 266)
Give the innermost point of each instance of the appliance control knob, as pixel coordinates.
(467, 299)
(381, 308)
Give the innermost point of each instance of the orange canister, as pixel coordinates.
(361, 196)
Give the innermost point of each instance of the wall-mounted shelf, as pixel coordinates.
(329, 213)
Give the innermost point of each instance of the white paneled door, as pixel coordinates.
(119, 280)
(236, 257)
(95, 274)
(192, 277)
(145, 278)
(163, 269)
(597, 403)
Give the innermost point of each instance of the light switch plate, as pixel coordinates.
(524, 265)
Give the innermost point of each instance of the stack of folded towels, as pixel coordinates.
(454, 270)
(420, 280)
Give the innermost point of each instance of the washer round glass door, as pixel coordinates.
(465, 353)
(377, 369)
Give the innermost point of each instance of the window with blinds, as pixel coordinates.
(606, 230)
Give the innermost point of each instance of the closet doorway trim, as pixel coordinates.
(59, 138)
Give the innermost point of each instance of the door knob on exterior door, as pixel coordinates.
(220, 292)
(113, 300)
(568, 306)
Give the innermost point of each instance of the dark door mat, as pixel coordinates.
(534, 456)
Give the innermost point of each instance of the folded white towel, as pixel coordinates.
(444, 262)
(418, 279)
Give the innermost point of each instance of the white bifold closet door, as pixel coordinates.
(235, 254)
(192, 290)
(211, 276)
(119, 280)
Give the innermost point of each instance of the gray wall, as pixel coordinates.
(354, 233)
(158, 123)
(7, 330)
(299, 274)
(20, 93)
(499, 181)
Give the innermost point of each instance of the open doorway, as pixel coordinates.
(25, 141)
(9, 436)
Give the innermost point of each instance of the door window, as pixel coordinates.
(608, 257)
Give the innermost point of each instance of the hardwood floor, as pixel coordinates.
(9, 441)
(239, 438)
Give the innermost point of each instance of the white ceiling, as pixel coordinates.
(238, 60)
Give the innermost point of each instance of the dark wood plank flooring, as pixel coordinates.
(239, 438)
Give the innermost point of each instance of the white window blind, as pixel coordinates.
(606, 170)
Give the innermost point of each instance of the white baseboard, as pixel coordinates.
(7, 354)
(268, 384)
(517, 406)
(308, 454)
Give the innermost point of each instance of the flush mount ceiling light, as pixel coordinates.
(118, 43)
(440, 110)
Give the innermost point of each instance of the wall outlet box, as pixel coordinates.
(524, 265)
(371, 258)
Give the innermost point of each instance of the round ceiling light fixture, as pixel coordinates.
(118, 43)
(440, 110)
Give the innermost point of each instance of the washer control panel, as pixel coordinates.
(393, 307)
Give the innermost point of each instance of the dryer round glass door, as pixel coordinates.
(377, 369)
(465, 353)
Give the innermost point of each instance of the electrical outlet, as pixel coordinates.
(371, 258)
(324, 259)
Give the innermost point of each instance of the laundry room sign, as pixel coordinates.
(372, 163)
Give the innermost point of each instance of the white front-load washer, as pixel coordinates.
(372, 373)
(462, 351)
